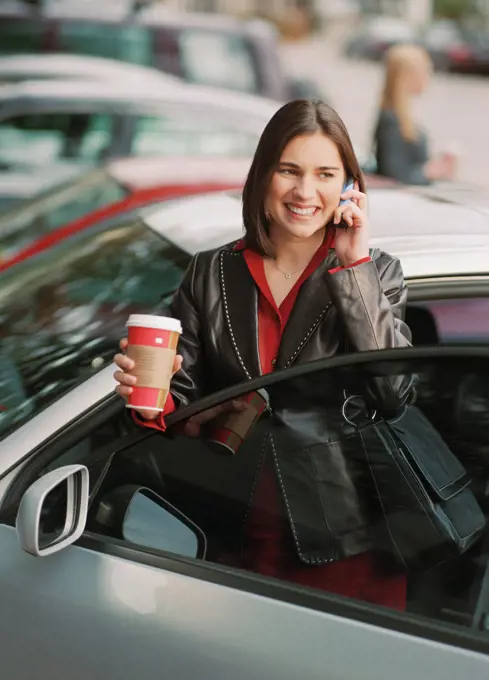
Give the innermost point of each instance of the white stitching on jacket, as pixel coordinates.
(226, 311)
(308, 335)
(304, 558)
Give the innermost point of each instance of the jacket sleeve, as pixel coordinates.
(186, 384)
(371, 300)
(396, 157)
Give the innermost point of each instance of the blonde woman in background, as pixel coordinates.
(401, 148)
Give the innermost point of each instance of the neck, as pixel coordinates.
(293, 254)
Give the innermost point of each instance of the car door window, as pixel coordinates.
(218, 60)
(22, 35)
(448, 321)
(62, 313)
(231, 484)
(181, 135)
(39, 138)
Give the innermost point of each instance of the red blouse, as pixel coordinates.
(268, 547)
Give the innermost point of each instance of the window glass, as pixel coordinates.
(40, 138)
(457, 320)
(113, 41)
(218, 60)
(222, 473)
(56, 208)
(21, 36)
(201, 135)
(63, 312)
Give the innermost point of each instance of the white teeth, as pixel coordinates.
(301, 211)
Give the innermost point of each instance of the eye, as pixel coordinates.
(286, 171)
(326, 175)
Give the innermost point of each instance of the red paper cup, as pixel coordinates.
(152, 346)
(233, 427)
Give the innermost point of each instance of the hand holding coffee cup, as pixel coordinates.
(148, 364)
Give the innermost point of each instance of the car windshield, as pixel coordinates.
(63, 312)
(55, 207)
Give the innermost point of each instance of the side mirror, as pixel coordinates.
(138, 515)
(53, 511)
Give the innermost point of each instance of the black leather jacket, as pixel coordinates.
(364, 306)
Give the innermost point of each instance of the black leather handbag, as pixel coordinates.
(426, 510)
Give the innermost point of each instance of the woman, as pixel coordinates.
(401, 148)
(299, 287)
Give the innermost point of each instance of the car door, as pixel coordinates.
(105, 607)
(449, 310)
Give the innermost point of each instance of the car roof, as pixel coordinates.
(431, 238)
(139, 173)
(249, 106)
(59, 65)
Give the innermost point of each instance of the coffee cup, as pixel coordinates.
(152, 345)
(232, 427)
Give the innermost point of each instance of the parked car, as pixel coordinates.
(202, 48)
(147, 511)
(19, 67)
(451, 46)
(18, 183)
(121, 187)
(455, 47)
(44, 122)
(375, 35)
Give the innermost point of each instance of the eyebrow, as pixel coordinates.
(296, 167)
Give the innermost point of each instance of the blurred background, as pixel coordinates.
(267, 52)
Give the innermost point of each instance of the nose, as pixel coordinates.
(305, 188)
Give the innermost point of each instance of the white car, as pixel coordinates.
(80, 121)
(19, 67)
(110, 535)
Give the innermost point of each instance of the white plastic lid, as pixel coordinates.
(164, 323)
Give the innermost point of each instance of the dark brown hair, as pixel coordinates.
(298, 117)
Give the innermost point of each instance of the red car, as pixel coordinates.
(105, 193)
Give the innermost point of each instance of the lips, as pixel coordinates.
(302, 211)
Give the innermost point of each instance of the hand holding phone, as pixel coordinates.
(348, 186)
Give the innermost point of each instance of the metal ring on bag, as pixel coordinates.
(343, 410)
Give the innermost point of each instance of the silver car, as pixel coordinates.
(116, 554)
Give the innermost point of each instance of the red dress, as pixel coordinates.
(268, 544)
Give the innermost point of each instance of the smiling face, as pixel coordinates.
(306, 185)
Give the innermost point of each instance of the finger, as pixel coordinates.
(177, 364)
(191, 428)
(125, 378)
(123, 344)
(353, 194)
(337, 215)
(124, 362)
(123, 391)
(239, 405)
(346, 214)
(349, 212)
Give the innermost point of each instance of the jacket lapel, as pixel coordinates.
(240, 301)
(312, 304)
